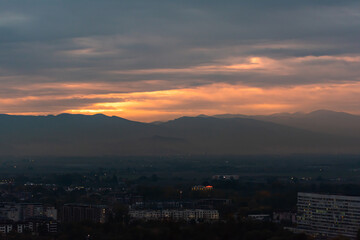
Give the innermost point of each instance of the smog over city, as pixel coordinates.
(180, 119)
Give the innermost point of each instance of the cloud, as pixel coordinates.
(58, 53)
(8, 19)
(210, 99)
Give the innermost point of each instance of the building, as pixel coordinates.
(328, 215)
(84, 212)
(284, 217)
(202, 188)
(197, 215)
(22, 211)
(260, 217)
(42, 224)
(212, 203)
(27, 217)
(34, 225)
(6, 226)
(50, 212)
(10, 211)
(160, 205)
(29, 210)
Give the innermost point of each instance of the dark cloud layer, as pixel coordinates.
(179, 44)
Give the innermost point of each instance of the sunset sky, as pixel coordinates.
(157, 60)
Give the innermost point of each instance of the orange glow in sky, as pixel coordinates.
(223, 98)
(153, 100)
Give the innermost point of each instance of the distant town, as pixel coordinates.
(288, 207)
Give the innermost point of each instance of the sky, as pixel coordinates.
(158, 60)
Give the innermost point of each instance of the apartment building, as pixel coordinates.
(328, 215)
(76, 212)
(175, 215)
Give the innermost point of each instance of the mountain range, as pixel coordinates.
(319, 132)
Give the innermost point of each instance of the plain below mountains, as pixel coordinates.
(319, 132)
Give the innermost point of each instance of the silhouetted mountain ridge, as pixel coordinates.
(324, 121)
(97, 135)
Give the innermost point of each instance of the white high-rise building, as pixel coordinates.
(328, 215)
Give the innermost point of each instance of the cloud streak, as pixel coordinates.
(207, 99)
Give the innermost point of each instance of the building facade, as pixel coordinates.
(33, 225)
(284, 217)
(84, 212)
(175, 215)
(22, 211)
(10, 211)
(328, 215)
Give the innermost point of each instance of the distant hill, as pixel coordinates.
(325, 121)
(100, 135)
(67, 134)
